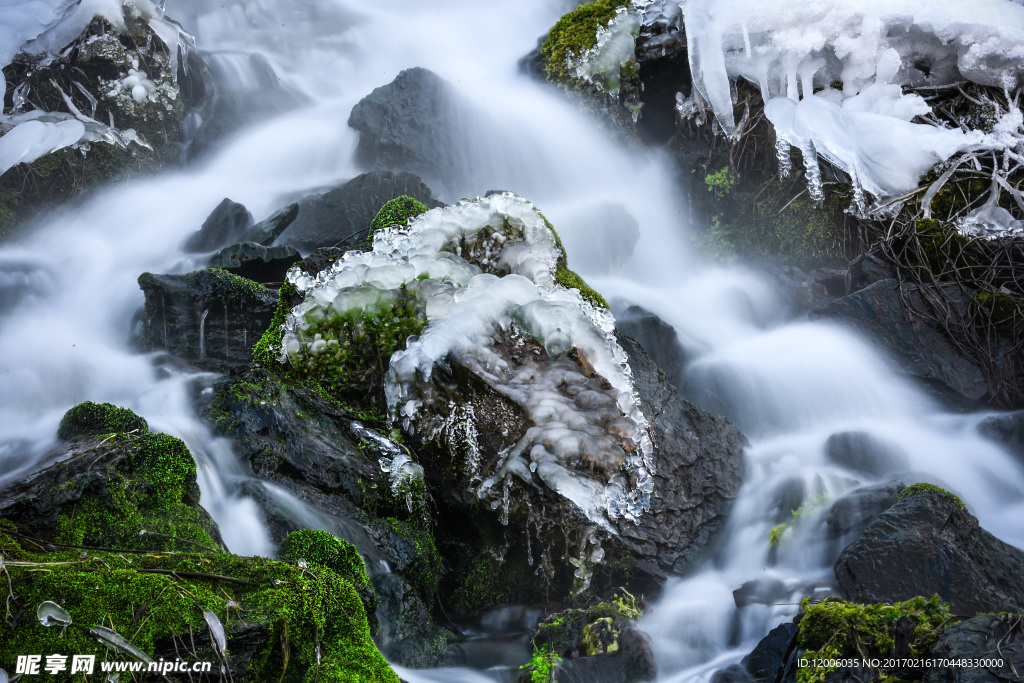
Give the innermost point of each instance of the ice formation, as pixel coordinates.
(39, 31)
(832, 74)
(481, 274)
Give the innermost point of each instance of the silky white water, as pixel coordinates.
(68, 292)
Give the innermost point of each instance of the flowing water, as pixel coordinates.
(68, 294)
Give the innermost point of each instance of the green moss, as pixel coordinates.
(542, 666)
(153, 489)
(321, 547)
(8, 212)
(397, 211)
(573, 34)
(834, 630)
(237, 289)
(914, 489)
(1005, 310)
(303, 612)
(721, 181)
(268, 349)
(87, 419)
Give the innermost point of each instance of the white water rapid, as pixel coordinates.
(68, 294)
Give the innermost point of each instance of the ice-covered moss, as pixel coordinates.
(90, 418)
(456, 284)
(591, 53)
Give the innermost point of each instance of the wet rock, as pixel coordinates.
(760, 592)
(270, 228)
(866, 270)
(988, 637)
(664, 68)
(699, 468)
(226, 224)
(928, 544)
(919, 346)
(788, 496)
(342, 216)
(774, 658)
(208, 317)
(256, 262)
(320, 259)
(656, 336)
(312, 452)
(1007, 430)
(865, 453)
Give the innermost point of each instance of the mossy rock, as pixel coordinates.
(113, 489)
(915, 489)
(88, 418)
(397, 211)
(282, 622)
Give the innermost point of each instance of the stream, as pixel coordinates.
(69, 298)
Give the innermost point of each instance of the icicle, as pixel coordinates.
(782, 154)
(815, 187)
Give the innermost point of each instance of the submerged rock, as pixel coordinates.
(341, 217)
(923, 349)
(927, 543)
(225, 224)
(865, 453)
(256, 262)
(208, 317)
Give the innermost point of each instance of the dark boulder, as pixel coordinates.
(866, 270)
(270, 228)
(208, 317)
(699, 465)
(774, 658)
(996, 640)
(256, 262)
(657, 337)
(925, 544)
(226, 224)
(865, 453)
(850, 515)
(922, 349)
(342, 216)
(409, 124)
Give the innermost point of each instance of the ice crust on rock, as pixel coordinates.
(481, 273)
(795, 51)
(39, 31)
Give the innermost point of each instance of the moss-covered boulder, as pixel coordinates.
(88, 419)
(600, 642)
(281, 621)
(114, 485)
